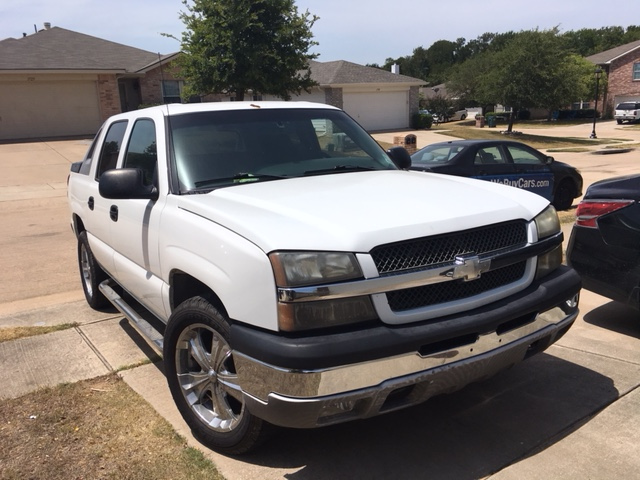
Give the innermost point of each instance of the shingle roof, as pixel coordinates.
(609, 56)
(341, 72)
(60, 49)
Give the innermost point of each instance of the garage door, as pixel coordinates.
(625, 98)
(378, 111)
(48, 109)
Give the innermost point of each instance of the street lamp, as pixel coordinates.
(597, 74)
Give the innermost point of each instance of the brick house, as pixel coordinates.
(622, 67)
(60, 83)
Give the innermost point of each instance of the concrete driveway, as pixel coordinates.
(571, 412)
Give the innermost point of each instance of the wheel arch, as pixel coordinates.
(78, 224)
(184, 286)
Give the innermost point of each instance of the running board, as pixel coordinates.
(144, 328)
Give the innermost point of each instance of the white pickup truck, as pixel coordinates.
(291, 272)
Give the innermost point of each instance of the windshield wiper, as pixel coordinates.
(241, 177)
(340, 169)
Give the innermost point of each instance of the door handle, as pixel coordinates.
(113, 213)
(90, 203)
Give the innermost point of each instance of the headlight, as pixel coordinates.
(297, 269)
(300, 269)
(547, 224)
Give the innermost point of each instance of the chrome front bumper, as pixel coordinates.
(307, 399)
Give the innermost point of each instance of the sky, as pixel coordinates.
(358, 31)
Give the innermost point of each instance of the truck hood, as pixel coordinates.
(356, 211)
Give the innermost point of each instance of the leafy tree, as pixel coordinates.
(532, 70)
(240, 45)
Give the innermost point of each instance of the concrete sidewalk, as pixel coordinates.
(571, 412)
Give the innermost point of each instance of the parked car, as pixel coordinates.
(627, 112)
(604, 247)
(506, 162)
(293, 273)
(452, 115)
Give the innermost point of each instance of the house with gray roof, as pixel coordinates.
(60, 83)
(375, 98)
(622, 66)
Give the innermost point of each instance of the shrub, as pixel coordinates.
(422, 121)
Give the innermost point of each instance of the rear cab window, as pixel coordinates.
(111, 147)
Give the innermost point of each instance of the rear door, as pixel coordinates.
(533, 172)
(491, 163)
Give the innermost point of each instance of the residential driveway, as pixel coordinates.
(571, 412)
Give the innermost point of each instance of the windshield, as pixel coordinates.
(435, 154)
(220, 149)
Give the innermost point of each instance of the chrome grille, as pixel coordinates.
(438, 293)
(427, 252)
(439, 249)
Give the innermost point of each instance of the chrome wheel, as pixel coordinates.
(207, 378)
(85, 270)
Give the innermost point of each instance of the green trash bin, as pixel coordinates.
(491, 121)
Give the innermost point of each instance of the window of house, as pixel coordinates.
(171, 91)
(636, 71)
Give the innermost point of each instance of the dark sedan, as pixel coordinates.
(604, 247)
(506, 162)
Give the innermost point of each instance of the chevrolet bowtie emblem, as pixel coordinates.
(468, 267)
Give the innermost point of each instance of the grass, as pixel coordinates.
(98, 429)
(13, 333)
(463, 131)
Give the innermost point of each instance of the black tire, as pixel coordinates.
(619, 122)
(463, 117)
(202, 379)
(564, 195)
(91, 274)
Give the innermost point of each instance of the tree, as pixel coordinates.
(240, 45)
(533, 70)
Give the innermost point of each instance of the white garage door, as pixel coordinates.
(625, 98)
(378, 111)
(48, 109)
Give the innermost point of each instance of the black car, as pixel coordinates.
(506, 162)
(604, 247)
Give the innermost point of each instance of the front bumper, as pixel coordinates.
(306, 398)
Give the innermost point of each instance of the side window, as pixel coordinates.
(523, 156)
(636, 71)
(111, 148)
(141, 151)
(489, 156)
(88, 158)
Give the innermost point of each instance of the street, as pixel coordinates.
(571, 412)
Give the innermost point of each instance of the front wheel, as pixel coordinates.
(619, 122)
(203, 381)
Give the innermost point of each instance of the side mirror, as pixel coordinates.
(126, 184)
(549, 160)
(400, 157)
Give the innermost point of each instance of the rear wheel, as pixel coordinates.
(564, 195)
(91, 274)
(619, 122)
(203, 380)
